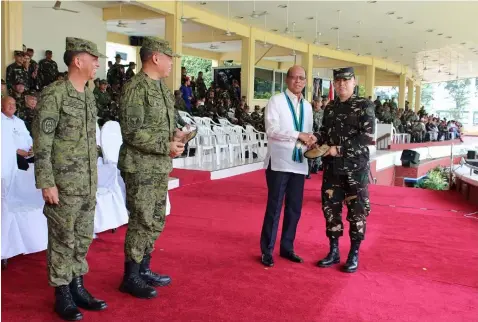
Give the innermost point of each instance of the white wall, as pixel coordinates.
(47, 29)
(112, 48)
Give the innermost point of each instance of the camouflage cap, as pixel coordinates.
(344, 73)
(103, 82)
(78, 44)
(18, 53)
(158, 45)
(3, 82)
(18, 81)
(32, 92)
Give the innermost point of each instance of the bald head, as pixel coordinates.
(8, 106)
(296, 79)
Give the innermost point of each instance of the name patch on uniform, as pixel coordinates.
(48, 125)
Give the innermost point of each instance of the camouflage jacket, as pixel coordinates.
(129, 74)
(103, 99)
(14, 73)
(350, 125)
(317, 116)
(147, 122)
(47, 71)
(64, 140)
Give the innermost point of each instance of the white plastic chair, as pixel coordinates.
(222, 143)
(111, 141)
(206, 141)
(252, 139)
(24, 227)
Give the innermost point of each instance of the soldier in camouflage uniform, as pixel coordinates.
(130, 71)
(64, 134)
(18, 93)
(116, 73)
(103, 100)
(147, 126)
(16, 72)
(348, 128)
(318, 114)
(4, 88)
(28, 110)
(47, 70)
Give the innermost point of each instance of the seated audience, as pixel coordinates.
(22, 139)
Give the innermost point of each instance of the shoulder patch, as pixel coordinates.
(134, 122)
(48, 125)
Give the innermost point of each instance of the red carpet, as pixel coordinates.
(416, 265)
(188, 177)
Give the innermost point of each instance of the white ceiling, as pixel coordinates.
(438, 26)
(441, 37)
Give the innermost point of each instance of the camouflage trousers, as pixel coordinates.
(70, 232)
(351, 188)
(146, 202)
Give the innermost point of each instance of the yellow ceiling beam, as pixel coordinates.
(129, 12)
(206, 54)
(202, 36)
(117, 38)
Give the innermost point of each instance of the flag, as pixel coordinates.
(331, 92)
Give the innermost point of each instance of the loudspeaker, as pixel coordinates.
(410, 159)
(471, 155)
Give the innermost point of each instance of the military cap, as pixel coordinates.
(30, 49)
(3, 82)
(159, 45)
(118, 56)
(18, 53)
(344, 73)
(32, 92)
(48, 51)
(132, 63)
(82, 45)
(18, 81)
(103, 82)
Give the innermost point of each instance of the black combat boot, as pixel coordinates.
(352, 261)
(333, 257)
(149, 277)
(134, 284)
(64, 305)
(83, 298)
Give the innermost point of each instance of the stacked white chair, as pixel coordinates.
(110, 206)
(222, 140)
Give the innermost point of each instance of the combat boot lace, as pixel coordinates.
(333, 257)
(133, 283)
(83, 298)
(65, 307)
(150, 277)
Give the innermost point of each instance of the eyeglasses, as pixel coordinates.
(300, 78)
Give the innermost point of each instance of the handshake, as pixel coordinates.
(308, 139)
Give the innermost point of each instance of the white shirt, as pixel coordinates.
(16, 126)
(281, 133)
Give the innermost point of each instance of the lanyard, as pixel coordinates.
(298, 126)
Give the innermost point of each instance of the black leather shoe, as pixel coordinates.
(308, 176)
(149, 277)
(64, 305)
(267, 260)
(134, 284)
(352, 260)
(83, 298)
(293, 257)
(333, 257)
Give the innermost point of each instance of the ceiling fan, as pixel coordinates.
(184, 19)
(228, 32)
(255, 14)
(57, 6)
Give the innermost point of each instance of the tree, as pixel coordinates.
(361, 91)
(459, 90)
(427, 95)
(194, 65)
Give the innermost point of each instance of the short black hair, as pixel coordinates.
(69, 55)
(145, 54)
